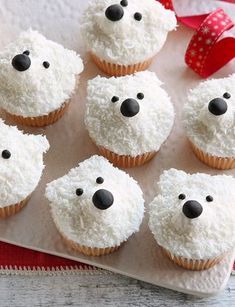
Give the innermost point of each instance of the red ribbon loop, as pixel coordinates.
(206, 52)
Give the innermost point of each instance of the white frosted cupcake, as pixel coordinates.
(193, 218)
(209, 120)
(128, 117)
(123, 37)
(37, 79)
(96, 207)
(21, 166)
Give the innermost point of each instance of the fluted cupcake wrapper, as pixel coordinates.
(13, 209)
(40, 121)
(126, 161)
(88, 251)
(117, 70)
(193, 264)
(221, 163)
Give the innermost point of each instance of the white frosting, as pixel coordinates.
(37, 91)
(207, 236)
(77, 217)
(144, 132)
(20, 174)
(126, 41)
(213, 134)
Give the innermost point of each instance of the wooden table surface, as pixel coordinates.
(98, 289)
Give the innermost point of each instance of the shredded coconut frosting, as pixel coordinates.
(213, 134)
(21, 172)
(77, 217)
(126, 41)
(144, 132)
(37, 90)
(207, 236)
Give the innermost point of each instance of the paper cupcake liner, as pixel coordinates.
(117, 70)
(13, 209)
(221, 163)
(40, 121)
(193, 264)
(126, 161)
(88, 251)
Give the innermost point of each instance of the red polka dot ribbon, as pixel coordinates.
(207, 52)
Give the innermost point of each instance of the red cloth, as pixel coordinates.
(15, 257)
(207, 52)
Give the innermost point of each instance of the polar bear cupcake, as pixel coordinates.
(128, 117)
(21, 167)
(123, 36)
(96, 207)
(193, 218)
(37, 79)
(209, 119)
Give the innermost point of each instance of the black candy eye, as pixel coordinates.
(124, 3)
(209, 198)
(26, 52)
(115, 99)
(99, 180)
(227, 95)
(182, 196)
(6, 154)
(79, 192)
(137, 16)
(140, 96)
(46, 64)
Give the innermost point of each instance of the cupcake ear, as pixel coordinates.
(170, 178)
(147, 77)
(168, 19)
(40, 142)
(73, 62)
(57, 193)
(51, 192)
(2, 122)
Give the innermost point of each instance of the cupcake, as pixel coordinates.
(128, 117)
(21, 167)
(96, 207)
(209, 120)
(37, 79)
(123, 37)
(193, 218)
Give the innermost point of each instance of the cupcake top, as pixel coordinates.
(193, 216)
(96, 204)
(36, 75)
(126, 32)
(209, 116)
(129, 115)
(21, 163)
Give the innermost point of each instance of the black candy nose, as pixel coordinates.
(114, 12)
(129, 107)
(102, 199)
(21, 62)
(218, 106)
(192, 209)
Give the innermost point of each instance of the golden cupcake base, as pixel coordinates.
(89, 251)
(126, 161)
(119, 70)
(40, 121)
(213, 161)
(8, 211)
(193, 264)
